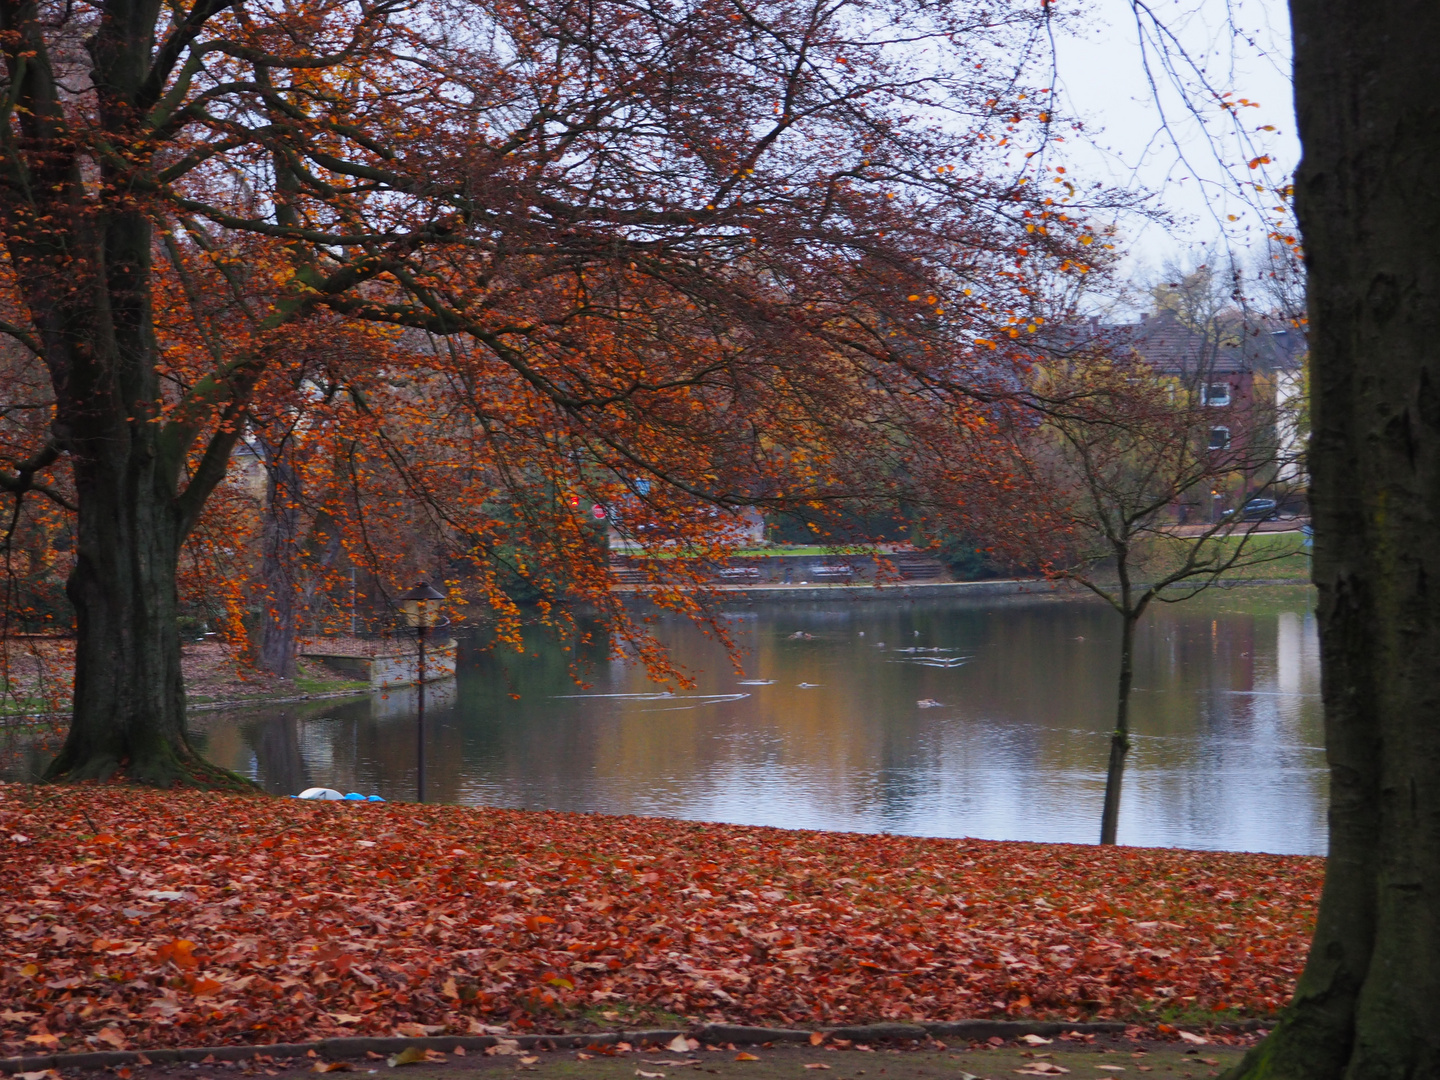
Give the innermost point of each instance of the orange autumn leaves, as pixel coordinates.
(464, 277)
(203, 918)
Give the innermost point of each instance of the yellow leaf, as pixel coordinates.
(409, 1056)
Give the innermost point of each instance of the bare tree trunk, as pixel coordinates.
(279, 557)
(1120, 737)
(1368, 1003)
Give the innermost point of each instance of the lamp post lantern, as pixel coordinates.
(421, 608)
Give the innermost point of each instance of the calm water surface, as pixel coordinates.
(828, 733)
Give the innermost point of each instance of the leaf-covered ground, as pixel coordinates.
(139, 918)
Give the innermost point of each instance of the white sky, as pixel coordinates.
(1194, 175)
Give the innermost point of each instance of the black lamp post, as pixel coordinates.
(421, 607)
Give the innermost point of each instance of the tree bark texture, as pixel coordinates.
(280, 536)
(129, 699)
(1368, 1004)
(84, 268)
(129, 707)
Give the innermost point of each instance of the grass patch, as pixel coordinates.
(1284, 556)
(28, 706)
(1265, 557)
(1187, 1014)
(328, 686)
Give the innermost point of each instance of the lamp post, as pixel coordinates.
(421, 607)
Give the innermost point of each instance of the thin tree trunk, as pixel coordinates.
(1120, 737)
(280, 536)
(1368, 1003)
(278, 625)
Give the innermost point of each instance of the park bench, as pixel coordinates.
(740, 573)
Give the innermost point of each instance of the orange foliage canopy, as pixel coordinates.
(486, 260)
(298, 920)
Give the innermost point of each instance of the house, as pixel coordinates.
(1234, 366)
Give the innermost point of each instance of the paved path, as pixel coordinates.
(1100, 1056)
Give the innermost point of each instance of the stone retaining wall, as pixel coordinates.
(394, 667)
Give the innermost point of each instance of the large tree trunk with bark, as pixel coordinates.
(129, 699)
(1368, 1004)
(84, 267)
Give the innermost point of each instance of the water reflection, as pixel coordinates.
(826, 729)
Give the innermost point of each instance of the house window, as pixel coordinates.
(1219, 438)
(1217, 393)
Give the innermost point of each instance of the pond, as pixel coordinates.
(986, 717)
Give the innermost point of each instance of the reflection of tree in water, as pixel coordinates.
(276, 744)
(1011, 753)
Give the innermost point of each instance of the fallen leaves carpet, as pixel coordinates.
(139, 918)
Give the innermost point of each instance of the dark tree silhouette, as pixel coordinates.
(1368, 1004)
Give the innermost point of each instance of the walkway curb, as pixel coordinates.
(914, 590)
(711, 1034)
(899, 590)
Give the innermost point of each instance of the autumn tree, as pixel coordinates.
(1205, 294)
(693, 245)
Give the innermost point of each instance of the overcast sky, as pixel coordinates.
(1194, 174)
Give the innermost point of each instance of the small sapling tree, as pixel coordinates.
(1116, 454)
